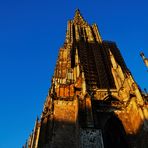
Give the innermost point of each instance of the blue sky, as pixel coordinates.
(31, 33)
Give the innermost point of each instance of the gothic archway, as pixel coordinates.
(114, 135)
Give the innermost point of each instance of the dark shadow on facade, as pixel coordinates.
(114, 135)
(62, 134)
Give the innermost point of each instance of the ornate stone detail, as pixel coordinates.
(78, 19)
(92, 91)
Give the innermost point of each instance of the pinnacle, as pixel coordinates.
(77, 14)
(78, 19)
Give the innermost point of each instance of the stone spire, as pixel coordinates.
(78, 19)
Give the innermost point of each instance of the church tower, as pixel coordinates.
(93, 101)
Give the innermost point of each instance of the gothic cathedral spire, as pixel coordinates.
(93, 100)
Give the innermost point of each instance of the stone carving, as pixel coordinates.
(91, 138)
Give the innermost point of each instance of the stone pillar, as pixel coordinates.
(96, 32)
(77, 33)
(83, 84)
(89, 34)
(90, 122)
(37, 137)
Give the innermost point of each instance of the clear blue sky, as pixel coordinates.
(31, 33)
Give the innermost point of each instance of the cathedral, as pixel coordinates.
(93, 101)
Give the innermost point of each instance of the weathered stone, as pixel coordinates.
(93, 101)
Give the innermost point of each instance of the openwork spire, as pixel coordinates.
(78, 19)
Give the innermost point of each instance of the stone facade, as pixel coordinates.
(93, 100)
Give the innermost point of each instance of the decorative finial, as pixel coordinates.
(78, 19)
(142, 55)
(144, 58)
(77, 13)
(77, 10)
